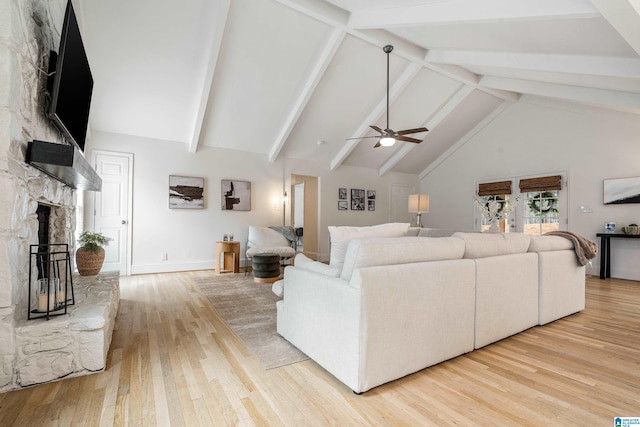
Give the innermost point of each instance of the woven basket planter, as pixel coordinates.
(89, 263)
(631, 229)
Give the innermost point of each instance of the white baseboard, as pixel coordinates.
(165, 267)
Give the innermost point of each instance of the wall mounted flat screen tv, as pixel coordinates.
(72, 83)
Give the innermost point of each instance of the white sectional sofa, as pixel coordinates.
(396, 305)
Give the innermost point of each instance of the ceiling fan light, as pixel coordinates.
(387, 141)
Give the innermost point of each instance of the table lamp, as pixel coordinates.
(418, 204)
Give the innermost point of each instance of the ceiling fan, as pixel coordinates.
(388, 136)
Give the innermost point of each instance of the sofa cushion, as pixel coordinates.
(436, 232)
(372, 252)
(340, 237)
(549, 243)
(483, 245)
(413, 231)
(283, 251)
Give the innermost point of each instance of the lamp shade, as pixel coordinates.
(418, 203)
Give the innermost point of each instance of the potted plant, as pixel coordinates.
(90, 254)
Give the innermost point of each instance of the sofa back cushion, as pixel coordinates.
(549, 243)
(372, 252)
(483, 245)
(436, 232)
(340, 237)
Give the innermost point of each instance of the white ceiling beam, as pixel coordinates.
(311, 82)
(466, 138)
(338, 18)
(611, 99)
(624, 17)
(458, 11)
(573, 64)
(221, 11)
(399, 85)
(430, 124)
(320, 10)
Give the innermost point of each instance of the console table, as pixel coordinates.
(605, 250)
(230, 252)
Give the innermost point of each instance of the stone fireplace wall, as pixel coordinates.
(29, 29)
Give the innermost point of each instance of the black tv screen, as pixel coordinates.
(72, 82)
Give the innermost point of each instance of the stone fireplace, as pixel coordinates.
(37, 350)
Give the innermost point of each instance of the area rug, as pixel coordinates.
(249, 309)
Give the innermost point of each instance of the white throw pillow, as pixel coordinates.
(340, 237)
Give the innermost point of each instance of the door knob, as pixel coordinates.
(124, 221)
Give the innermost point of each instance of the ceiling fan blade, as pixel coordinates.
(408, 139)
(363, 137)
(376, 128)
(377, 145)
(409, 131)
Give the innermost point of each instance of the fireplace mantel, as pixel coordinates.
(64, 163)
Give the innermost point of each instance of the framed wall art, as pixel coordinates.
(342, 193)
(357, 199)
(236, 195)
(186, 192)
(621, 190)
(343, 205)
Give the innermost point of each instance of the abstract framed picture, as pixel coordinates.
(371, 204)
(342, 193)
(371, 194)
(621, 190)
(357, 199)
(236, 195)
(343, 205)
(186, 192)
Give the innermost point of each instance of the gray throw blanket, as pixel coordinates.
(288, 232)
(585, 248)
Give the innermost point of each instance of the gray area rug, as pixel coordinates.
(249, 309)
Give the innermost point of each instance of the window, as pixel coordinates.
(488, 192)
(541, 208)
(541, 204)
(541, 212)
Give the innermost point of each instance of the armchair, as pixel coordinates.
(264, 240)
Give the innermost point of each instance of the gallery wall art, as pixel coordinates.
(621, 190)
(186, 192)
(361, 200)
(236, 195)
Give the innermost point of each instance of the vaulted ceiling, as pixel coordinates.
(296, 78)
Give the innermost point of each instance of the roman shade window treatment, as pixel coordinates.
(547, 183)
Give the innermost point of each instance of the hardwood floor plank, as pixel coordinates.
(173, 361)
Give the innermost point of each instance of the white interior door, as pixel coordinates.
(112, 207)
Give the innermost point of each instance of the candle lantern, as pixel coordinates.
(50, 281)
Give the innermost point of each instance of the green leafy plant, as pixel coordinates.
(93, 241)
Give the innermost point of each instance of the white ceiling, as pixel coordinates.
(279, 76)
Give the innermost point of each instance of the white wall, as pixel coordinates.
(527, 139)
(188, 236)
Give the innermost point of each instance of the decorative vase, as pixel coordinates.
(494, 228)
(89, 263)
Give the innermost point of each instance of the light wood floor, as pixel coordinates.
(174, 362)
